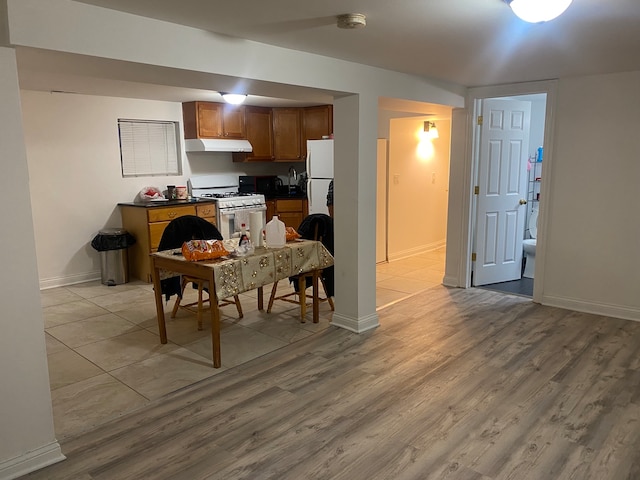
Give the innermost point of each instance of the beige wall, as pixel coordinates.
(27, 438)
(75, 177)
(418, 187)
(592, 228)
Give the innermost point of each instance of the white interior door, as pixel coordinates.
(502, 188)
(381, 202)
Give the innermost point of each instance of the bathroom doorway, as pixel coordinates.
(499, 232)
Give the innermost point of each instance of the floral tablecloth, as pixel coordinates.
(234, 275)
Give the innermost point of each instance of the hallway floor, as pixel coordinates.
(105, 357)
(523, 287)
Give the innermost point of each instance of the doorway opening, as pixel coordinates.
(508, 155)
(412, 199)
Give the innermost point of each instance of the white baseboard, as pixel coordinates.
(604, 309)
(31, 461)
(416, 250)
(54, 282)
(357, 325)
(450, 281)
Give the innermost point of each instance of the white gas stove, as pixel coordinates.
(232, 207)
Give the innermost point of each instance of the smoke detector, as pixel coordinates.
(352, 20)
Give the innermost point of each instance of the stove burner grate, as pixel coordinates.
(224, 195)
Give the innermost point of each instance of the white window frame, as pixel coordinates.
(149, 148)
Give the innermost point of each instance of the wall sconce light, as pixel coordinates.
(538, 11)
(430, 130)
(233, 98)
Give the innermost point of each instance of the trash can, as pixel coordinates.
(112, 244)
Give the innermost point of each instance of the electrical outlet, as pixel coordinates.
(433, 177)
(396, 179)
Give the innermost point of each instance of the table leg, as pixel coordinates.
(215, 323)
(162, 327)
(302, 293)
(316, 300)
(260, 299)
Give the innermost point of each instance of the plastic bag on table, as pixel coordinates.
(150, 193)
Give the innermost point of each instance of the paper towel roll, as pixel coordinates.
(256, 225)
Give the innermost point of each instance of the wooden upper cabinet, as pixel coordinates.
(259, 121)
(276, 134)
(287, 132)
(233, 121)
(317, 122)
(213, 120)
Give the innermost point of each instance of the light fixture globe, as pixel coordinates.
(233, 98)
(538, 11)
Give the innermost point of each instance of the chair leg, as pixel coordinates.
(179, 299)
(200, 305)
(329, 299)
(238, 306)
(273, 296)
(302, 288)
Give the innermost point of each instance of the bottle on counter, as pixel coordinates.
(275, 233)
(245, 247)
(244, 238)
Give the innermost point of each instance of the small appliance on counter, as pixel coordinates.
(264, 184)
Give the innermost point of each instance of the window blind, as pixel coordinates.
(148, 147)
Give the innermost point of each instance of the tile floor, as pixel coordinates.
(105, 357)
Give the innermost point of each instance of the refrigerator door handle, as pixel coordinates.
(309, 195)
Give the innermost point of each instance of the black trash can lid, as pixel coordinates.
(112, 239)
(112, 231)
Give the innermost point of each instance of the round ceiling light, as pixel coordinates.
(233, 98)
(538, 11)
(352, 20)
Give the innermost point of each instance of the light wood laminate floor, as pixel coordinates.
(105, 357)
(455, 384)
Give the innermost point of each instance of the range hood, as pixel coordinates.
(217, 145)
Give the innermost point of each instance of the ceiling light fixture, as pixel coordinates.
(233, 98)
(431, 130)
(538, 11)
(352, 20)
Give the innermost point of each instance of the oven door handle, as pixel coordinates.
(232, 210)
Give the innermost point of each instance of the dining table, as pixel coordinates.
(234, 274)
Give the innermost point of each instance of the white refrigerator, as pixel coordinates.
(319, 174)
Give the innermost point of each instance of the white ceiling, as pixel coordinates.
(466, 42)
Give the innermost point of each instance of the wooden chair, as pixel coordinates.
(180, 230)
(311, 228)
(202, 287)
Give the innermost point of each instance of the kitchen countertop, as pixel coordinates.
(193, 201)
(283, 196)
(167, 203)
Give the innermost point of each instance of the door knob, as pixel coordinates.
(523, 201)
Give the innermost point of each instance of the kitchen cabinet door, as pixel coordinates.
(202, 120)
(287, 131)
(233, 121)
(259, 121)
(271, 209)
(317, 122)
(213, 120)
(290, 211)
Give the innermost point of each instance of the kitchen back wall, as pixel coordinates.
(75, 177)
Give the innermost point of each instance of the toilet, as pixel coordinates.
(529, 245)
